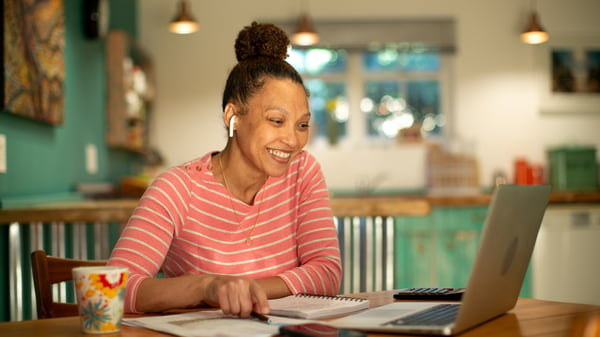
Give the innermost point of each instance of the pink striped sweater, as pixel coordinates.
(188, 222)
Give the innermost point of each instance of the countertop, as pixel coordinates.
(366, 205)
(557, 197)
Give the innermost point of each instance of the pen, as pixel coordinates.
(260, 317)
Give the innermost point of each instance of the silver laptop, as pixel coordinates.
(514, 217)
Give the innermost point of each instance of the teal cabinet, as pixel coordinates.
(414, 248)
(457, 232)
(438, 250)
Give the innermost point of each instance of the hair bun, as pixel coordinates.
(261, 39)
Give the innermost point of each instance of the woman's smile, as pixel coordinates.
(279, 155)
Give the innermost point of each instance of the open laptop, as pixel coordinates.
(513, 219)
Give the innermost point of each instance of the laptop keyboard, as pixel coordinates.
(438, 315)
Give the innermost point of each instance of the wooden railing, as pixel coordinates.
(82, 230)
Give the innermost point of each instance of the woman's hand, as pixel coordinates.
(235, 295)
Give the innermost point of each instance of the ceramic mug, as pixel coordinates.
(100, 295)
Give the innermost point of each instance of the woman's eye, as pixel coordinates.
(304, 125)
(277, 121)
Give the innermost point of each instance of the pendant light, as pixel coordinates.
(305, 34)
(184, 22)
(534, 33)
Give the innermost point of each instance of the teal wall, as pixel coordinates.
(46, 162)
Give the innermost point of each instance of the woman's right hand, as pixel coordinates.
(237, 296)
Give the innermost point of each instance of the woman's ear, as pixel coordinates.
(227, 113)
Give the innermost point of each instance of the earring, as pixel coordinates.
(231, 123)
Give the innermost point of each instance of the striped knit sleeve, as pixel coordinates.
(145, 240)
(320, 266)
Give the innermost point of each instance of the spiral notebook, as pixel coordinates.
(307, 306)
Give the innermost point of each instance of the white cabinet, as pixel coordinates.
(566, 258)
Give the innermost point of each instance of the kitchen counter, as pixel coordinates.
(591, 197)
(370, 205)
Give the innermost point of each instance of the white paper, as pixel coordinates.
(211, 323)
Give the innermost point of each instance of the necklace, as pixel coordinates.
(249, 236)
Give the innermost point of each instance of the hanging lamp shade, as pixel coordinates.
(305, 35)
(534, 33)
(183, 22)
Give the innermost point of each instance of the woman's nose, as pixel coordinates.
(290, 137)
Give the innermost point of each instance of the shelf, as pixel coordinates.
(130, 92)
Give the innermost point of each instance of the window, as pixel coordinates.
(325, 73)
(382, 95)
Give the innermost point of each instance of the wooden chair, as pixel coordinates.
(48, 270)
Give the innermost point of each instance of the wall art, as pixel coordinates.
(33, 70)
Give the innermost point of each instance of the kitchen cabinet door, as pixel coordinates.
(458, 231)
(414, 252)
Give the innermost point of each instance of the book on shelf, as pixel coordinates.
(307, 306)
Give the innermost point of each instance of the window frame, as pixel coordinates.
(355, 78)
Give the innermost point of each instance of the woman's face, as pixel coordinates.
(275, 128)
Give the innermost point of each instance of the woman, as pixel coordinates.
(234, 228)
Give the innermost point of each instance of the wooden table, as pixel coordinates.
(530, 317)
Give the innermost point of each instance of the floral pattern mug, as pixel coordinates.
(100, 294)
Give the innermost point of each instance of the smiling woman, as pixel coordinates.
(236, 227)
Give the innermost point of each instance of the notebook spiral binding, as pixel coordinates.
(338, 298)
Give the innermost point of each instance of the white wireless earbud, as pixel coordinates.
(231, 123)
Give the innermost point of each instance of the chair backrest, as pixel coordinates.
(48, 270)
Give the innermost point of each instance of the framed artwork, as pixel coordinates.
(569, 75)
(33, 69)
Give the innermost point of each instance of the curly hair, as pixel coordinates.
(261, 50)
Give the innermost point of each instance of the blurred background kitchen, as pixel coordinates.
(418, 98)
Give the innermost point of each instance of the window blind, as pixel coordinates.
(421, 34)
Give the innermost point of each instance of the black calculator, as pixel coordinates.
(449, 294)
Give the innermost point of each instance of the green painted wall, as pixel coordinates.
(45, 162)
